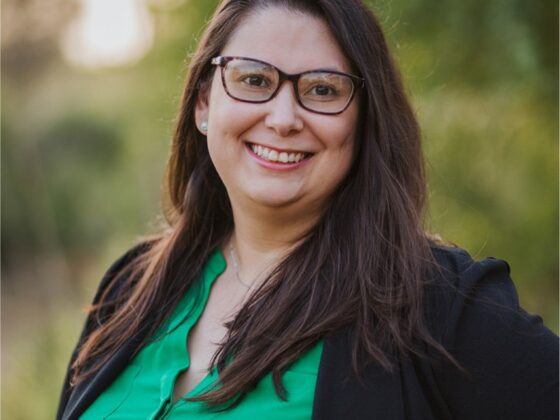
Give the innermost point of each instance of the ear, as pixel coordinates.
(201, 110)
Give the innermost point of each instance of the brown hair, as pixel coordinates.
(362, 266)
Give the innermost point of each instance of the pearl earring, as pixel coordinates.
(204, 127)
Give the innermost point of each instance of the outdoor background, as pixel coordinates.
(89, 94)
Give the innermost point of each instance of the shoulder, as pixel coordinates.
(119, 269)
(458, 285)
(456, 265)
(111, 284)
(114, 285)
(473, 299)
(510, 357)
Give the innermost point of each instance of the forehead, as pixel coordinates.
(291, 40)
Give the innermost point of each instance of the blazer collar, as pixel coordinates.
(85, 393)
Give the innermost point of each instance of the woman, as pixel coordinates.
(295, 280)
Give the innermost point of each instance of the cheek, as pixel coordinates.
(337, 134)
(228, 118)
(347, 131)
(230, 121)
(339, 137)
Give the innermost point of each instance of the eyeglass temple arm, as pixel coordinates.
(219, 60)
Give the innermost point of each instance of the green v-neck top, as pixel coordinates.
(144, 389)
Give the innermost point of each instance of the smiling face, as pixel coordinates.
(277, 154)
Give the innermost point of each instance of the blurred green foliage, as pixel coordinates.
(84, 154)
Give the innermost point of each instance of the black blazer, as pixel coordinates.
(471, 307)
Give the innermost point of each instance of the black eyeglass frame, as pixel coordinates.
(222, 61)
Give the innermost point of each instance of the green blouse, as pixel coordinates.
(144, 390)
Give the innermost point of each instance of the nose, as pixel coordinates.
(284, 113)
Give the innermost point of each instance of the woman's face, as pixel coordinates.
(293, 42)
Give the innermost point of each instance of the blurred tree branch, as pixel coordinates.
(30, 31)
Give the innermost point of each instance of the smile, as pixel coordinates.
(273, 155)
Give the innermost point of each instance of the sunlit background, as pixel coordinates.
(89, 93)
(107, 33)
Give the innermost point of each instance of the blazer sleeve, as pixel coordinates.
(90, 323)
(510, 359)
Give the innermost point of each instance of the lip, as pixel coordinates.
(277, 166)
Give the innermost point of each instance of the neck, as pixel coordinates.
(262, 237)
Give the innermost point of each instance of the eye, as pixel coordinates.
(322, 90)
(255, 80)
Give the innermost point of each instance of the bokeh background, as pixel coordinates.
(89, 93)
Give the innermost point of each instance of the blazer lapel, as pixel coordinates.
(339, 395)
(85, 393)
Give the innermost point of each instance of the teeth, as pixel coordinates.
(275, 156)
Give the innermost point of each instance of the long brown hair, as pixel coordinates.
(362, 266)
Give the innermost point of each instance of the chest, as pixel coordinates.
(140, 384)
(204, 338)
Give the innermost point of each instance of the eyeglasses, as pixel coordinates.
(321, 91)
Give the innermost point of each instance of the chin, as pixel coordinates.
(274, 194)
(273, 197)
(273, 201)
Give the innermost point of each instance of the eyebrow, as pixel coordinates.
(315, 69)
(325, 68)
(329, 69)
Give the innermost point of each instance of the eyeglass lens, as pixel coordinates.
(319, 91)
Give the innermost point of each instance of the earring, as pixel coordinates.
(204, 127)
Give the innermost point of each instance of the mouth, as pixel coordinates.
(278, 156)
